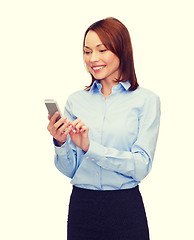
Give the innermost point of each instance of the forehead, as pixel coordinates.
(92, 39)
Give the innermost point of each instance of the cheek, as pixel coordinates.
(86, 60)
(112, 59)
(87, 64)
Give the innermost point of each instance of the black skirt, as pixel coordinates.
(107, 215)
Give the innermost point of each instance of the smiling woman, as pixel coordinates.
(111, 151)
(100, 61)
(118, 42)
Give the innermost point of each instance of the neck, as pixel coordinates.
(107, 87)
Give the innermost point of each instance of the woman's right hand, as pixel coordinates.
(60, 129)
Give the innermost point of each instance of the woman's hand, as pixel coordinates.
(60, 129)
(80, 137)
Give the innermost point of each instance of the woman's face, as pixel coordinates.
(101, 62)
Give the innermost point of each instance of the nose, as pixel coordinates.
(94, 57)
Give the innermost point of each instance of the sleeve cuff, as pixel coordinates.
(59, 150)
(110, 158)
(96, 152)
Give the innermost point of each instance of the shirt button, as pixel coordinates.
(93, 159)
(87, 157)
(97, 174)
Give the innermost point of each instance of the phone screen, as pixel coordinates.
(52, 107)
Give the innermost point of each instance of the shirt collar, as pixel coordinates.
(96, 84)
(126, 85)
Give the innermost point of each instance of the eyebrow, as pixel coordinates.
(96, 46)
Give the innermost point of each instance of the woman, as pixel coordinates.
(106, 141)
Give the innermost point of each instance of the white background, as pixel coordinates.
(41, 57)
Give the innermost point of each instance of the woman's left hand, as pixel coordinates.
(80, 137)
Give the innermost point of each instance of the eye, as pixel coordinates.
(87, 52)
(103, 50)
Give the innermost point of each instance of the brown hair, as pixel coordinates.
(115, 36)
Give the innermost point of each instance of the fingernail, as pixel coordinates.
(65, 118)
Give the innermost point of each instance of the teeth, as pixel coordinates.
(97, 68)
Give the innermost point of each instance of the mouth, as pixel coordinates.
(98, 68)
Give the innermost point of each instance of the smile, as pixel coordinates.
(98, 68)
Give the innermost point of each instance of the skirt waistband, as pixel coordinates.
(102, 193)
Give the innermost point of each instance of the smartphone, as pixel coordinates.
(52, 107)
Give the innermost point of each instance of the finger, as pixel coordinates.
(60, 127)
(64, 127)
(49, 117)
(84, 129)
(52, 121)
(54, 117)
(68, 130)
(79, 126)
(75, 122)
(60, 122)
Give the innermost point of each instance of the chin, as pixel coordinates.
(99, 77)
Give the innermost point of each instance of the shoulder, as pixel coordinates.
(145, 93)
(150, 101)
(143, 98)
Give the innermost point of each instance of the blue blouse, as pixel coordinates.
(123, 131)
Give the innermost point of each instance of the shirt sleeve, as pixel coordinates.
(66, 155)
(136, 163)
